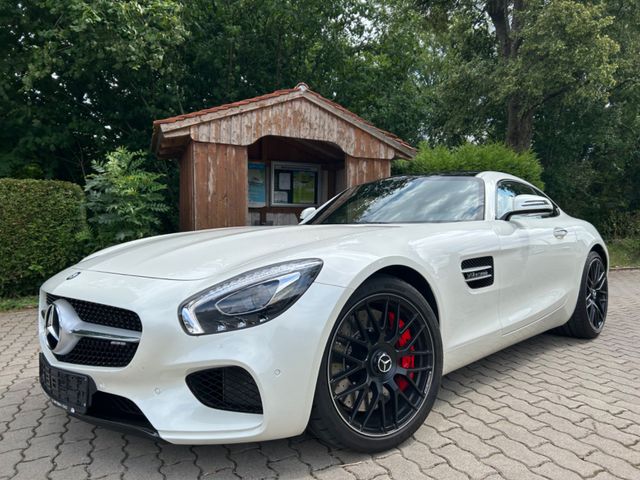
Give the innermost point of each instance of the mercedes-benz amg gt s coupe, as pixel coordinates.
(343, 324)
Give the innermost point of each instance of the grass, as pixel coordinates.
(624, 252)
(7, 304)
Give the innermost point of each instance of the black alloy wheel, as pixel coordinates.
(596, 293)
(590, 314)
(381, 369)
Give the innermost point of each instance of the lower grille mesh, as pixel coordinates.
(228, 388)
(100, 353)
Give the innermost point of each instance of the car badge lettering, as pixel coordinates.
(478, 274)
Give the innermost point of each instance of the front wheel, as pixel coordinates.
(590, 314)
(381, 368)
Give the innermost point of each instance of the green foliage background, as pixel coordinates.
(570, 67)
(124, 200)
(79, 79)
(43, 229)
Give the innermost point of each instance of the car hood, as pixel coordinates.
(206, 253)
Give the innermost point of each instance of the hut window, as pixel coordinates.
(294, 184)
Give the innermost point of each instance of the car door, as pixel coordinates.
(537, 254)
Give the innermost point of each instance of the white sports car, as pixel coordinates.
(344, 323)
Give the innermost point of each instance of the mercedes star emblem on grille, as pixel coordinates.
(60, 325)
(52, 322)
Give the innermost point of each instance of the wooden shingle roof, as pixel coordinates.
(171, 134)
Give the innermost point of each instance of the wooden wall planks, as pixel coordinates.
(187, 195)
(363, 170)
(213, 186)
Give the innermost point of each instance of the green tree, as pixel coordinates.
(78, 78)
(591, 149)
(576, 66)
(368, 56)
(501, 61)
(125, 202)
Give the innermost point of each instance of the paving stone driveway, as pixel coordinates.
(550, 407)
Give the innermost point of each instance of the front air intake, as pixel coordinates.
(227, 388)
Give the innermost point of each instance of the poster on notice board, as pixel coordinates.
(257, 185)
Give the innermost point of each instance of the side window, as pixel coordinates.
(505, 193)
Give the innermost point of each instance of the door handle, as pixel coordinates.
(559, 232)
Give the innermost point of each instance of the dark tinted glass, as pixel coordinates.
(408, 200)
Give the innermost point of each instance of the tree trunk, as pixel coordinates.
(498, 11)
(519, 126)
(507, 21)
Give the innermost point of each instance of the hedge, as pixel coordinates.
(470, 157)
(43, 229)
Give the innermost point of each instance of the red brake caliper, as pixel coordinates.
(408, 361)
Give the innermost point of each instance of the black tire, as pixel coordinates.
(590, 314)
(400, 395)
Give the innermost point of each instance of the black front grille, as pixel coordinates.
(227, 388)
(102, 314)
(95, 351)
(100, 353)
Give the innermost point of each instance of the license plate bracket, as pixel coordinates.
(69, 390)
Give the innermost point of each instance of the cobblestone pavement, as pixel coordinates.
(549, 407)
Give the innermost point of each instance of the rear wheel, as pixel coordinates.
(381, 368)
(590, 314)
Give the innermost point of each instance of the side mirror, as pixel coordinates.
(528, 204)
(307, 213)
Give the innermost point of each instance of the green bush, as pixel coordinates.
(125, 202)
(621, 224)
(624, 252)
(43, 229)
(470, 157)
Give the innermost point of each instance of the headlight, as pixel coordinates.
(249, 299)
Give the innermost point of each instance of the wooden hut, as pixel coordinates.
(263, 160)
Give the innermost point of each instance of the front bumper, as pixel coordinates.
(283, 357)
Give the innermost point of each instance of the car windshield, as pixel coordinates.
(431, 199)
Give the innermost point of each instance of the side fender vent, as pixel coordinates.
(478, 272)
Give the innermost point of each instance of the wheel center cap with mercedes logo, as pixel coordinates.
(383, 362)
